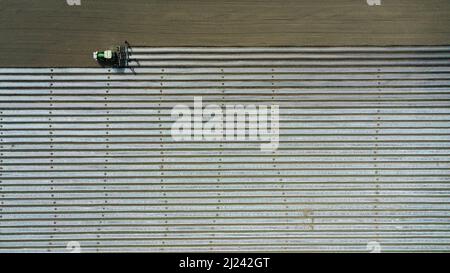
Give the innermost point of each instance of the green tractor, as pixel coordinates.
(116, 57)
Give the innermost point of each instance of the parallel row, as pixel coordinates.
(88, 155)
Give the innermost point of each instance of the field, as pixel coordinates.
(51, 33)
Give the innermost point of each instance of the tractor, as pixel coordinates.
(116, 57)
